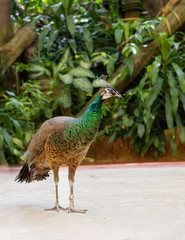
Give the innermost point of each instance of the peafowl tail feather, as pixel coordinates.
(28, 175)
(24, 174)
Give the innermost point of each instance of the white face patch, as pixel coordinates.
(106, 95)
(109, 92)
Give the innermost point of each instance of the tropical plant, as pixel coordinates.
(155, 104)
(18, 116)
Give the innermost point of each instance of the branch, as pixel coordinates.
(14, 48)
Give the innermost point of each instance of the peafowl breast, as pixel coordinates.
(63, 141)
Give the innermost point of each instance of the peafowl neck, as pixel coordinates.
(81, 131)
(93, 112)
(92, 116)
(87, 126)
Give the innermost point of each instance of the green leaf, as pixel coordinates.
(66, 78)
(156, 141)
(138, 37)
(112, 137)
(67, 4)
(28, 137)
(86, 65)
(180, 128)
(2, 158)
(52, 37)
(126, 30)
(140, 130)
(70, 24)
(136, 112)
(65, 7)
(130, 65)
(155, 69)
(18, 105)
(124, 73)
(100, 58)
(81, 72)
(118, 35)
(39, 70)
(154, 92)
(16, 152)
(48, 112)
(180, 75)
(169, 114)
(65, 98)
(164, 46)
(18, 142)
(19, 132)
(173, 92)
(84, 84)
(137, 146)
(182, 98)
(8, 139)
(1, 138)
(110, 67)
(97, 83)
(173, 145)
(130, 48)
(88, 40)
(148, 119)
(62, 61)
(162, 140)
(10, 93)
(146, 147)
(72, 43)
(41, 40)
(56, 7)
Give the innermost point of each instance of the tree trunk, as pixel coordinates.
(131, 8)
(173, 22)
(5, 23)
(154, 6)
(20, 42)
(10, 51)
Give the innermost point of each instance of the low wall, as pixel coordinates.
(122, 151)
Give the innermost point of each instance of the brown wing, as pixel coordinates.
(36, 149)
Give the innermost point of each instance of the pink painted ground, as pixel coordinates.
(4, 169)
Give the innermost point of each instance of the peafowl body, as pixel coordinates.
(63, 141)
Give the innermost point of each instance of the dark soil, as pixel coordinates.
(122, 151)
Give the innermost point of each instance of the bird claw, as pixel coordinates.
(73, 210)
(56, 208)
(69, 209)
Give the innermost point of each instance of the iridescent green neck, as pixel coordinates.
(90, 121)
(93, 112)
(81, 131)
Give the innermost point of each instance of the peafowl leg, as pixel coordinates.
(71, 207)
(57, 207)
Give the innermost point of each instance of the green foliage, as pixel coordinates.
(68, 34)
(18, 114)
(155, 104)
(86, 46)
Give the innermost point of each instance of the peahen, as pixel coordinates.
(63, 141)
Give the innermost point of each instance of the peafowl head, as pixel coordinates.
(105, 93)
(109, 92)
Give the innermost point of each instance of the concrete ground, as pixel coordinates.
(124, 202)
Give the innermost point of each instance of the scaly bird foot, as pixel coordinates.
(73, 210)
(56, 208)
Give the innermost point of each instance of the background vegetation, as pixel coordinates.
(77, 42)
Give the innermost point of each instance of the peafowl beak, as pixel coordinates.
(108, 92)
